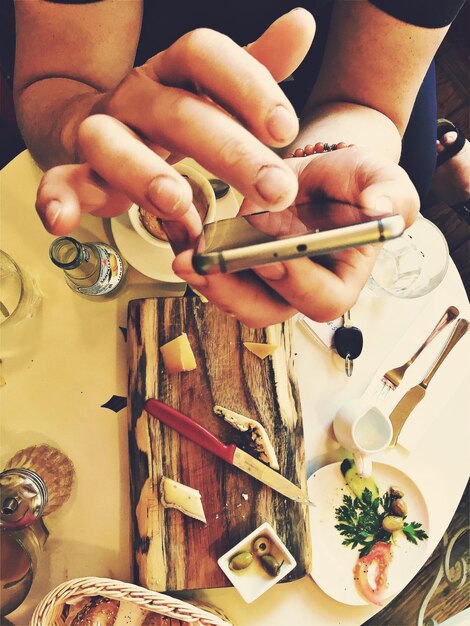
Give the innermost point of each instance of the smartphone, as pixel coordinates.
(244, 242)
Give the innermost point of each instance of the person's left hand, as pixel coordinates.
(322, 290)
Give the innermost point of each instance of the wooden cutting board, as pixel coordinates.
(173, 551)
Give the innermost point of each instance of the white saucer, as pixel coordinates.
(155, 262)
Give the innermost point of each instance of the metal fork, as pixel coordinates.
(393, 377)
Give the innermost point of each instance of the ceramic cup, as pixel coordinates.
(364, 430)
(148, 226)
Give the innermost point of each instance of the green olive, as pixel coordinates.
(270, 565)
(399, 507)
(391, 523)
(261, 546)
(240, 561)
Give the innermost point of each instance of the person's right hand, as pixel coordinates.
(204, 97)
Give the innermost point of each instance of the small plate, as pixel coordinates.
(333, 563)
(254, 581)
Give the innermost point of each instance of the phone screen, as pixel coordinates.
(250, 240)
(265, 226)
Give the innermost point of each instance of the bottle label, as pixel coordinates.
(111, 272)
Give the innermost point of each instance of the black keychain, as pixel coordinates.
(348, 342)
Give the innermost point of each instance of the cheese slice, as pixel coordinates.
(258, 434)
(175, 495)
(262, 350)
(178, 355)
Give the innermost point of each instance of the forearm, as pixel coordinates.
(49, 112)
(369, 79)
(67, 56)
(351, 123)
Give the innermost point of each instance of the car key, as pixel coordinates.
(348, 341)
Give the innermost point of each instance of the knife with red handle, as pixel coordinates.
(189, 428)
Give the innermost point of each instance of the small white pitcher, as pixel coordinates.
(363, 429)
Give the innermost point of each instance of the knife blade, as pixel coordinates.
(230, 453)
(413, 396)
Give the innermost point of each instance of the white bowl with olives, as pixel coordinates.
(257, 562)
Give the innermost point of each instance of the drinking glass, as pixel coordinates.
(411, 265)
(19, 294)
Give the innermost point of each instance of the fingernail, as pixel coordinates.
(52, 212)
(384, 205)
(177, 235)
(183, 233)
(165, 194)
(282, 124)
(274, 271)
(273, 184)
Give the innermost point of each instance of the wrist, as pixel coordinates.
(78, 109)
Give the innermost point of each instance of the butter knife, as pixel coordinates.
(189, 428)
(413, 396)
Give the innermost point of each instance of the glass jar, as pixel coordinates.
(20, 552)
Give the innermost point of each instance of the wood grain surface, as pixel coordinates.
(173, 551)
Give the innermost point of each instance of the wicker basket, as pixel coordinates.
(49, 611)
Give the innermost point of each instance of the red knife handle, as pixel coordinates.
(187, 427)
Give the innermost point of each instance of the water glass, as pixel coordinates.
(411, 265)
(19, 293)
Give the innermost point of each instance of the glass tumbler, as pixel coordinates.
(412, 265)
(19, 293)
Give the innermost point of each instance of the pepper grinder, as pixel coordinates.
(35, 482)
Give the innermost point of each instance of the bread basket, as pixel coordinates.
(49, 611)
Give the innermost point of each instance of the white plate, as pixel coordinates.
(333, 563)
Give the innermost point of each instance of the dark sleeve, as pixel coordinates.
(426, 13)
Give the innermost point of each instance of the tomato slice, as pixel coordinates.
(381, 555)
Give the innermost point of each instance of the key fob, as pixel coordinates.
(348, 340)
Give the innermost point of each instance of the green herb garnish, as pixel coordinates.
(360, 522)
(413, 532)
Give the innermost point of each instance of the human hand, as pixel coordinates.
(325, 288)
(203, 97)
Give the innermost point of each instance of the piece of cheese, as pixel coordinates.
(258, 434)
(178, 355)
(178, 496)
(262, 350)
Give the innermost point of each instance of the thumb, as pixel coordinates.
(387, 198)
(283, 46)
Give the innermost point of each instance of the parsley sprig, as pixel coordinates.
(360, 522)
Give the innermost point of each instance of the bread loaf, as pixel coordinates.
(99, 611)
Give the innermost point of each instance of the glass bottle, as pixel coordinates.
(91, 269)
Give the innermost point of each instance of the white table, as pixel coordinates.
(69, 359)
